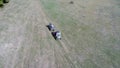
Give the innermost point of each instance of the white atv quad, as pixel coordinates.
(57, 35)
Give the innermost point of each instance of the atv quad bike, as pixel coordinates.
(57, 35)
(51, 27)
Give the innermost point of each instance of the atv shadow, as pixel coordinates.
(48, 27)
(53, 34)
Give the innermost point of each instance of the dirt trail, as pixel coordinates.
(29, 43)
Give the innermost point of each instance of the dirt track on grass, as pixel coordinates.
(25, 40)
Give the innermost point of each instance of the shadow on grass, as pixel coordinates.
(1, 5)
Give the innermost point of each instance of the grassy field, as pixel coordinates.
(92, 28)
(1, 3)
(90, 34)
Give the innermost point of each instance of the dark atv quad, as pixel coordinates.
(51, 27)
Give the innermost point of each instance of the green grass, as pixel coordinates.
(1, 3)
(99, 51)
(1, 62)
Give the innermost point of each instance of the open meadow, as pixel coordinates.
(90, 34)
